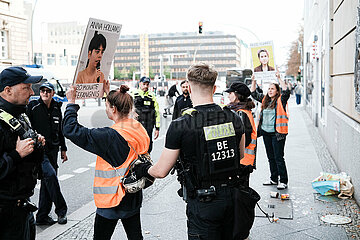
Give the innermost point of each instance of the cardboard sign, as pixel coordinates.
(96, 55)
(263, 61)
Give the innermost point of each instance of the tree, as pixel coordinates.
(123, 73)
(117, 74)
(131, 71)
(167, 71)
(151, 73)
(294, 60)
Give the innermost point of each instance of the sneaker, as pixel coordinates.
(269, 182)
(62, 219)
(46, 221)
(281, 186)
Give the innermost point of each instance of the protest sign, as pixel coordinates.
(96, 55)
(263, 61)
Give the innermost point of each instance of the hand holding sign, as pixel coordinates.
(71, 94)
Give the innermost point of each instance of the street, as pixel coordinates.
(77, 174)
(163, 211)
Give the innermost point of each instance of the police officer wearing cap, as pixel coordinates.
(210, 143)
(21, 154)
(46, 117)
(147, 108)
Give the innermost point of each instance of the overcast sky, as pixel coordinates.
(277, 20)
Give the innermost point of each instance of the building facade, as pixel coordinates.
(173, 53)
(59, 48)
(330, 55)
(13, 33)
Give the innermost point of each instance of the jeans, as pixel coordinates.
(16, 223)
(50, 189)
(298, 99)
(104, 228)
(275, 154)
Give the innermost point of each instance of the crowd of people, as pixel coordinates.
(212, 148)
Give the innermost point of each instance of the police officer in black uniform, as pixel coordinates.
(210, 142)
(20, 155)
(183, 101)
(46, 117)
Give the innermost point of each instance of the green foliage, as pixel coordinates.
(151, 73)
(167, 72)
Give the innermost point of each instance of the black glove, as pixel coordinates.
(141, 170)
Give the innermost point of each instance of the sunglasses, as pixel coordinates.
(45, 90)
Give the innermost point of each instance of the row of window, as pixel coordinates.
(67, 41)
(51, 59)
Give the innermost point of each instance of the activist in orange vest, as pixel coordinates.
(116, 148)
(273, 126)
(241, 103)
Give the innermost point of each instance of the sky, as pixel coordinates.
(250, 20)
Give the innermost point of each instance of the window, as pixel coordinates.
(50, 59)
(4, 44)
(74, 59)
(63, 60)
(38, 58)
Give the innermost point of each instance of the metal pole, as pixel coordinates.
(32, 38)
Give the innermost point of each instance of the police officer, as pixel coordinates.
(46, 117)
(20, 155)
(210, 142)
(183, 101)
(147, 108)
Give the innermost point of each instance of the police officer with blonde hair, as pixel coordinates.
(209, 140)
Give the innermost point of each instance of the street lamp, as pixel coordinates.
(197, 48)
(32, 38)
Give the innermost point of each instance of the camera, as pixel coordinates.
(34, 136)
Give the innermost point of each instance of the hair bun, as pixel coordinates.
(124, 88)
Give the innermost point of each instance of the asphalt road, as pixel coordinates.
(77, 174)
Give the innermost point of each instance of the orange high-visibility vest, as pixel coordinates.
(250, 150)
(282, 117)
(108, 189)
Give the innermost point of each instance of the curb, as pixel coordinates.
(73, 219)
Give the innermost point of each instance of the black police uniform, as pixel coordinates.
(47, 122)
(18, 177)
(219, 206)
(182, 102)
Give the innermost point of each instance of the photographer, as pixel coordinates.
(20, 155)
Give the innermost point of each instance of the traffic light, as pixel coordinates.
(200, 27)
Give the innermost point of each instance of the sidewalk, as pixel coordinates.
(163, 212)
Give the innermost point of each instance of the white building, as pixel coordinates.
(13, 33)
(329, 61)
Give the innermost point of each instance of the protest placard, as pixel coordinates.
(263, 61)
(96, 55)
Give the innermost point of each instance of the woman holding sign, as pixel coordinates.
(273, 126)
(116, 148)
(264, 58)
(92, 72)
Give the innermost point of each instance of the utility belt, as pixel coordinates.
(23, 203)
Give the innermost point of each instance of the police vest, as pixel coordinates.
(108, 188)
(144, 107)
(282, 117)
(21, 182)
(217, 146)
(250, 150)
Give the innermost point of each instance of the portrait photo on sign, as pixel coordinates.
(96, 56)
(263, 60)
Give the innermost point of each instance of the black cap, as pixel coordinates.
(15, 75)
(47, 85)
(239, 88)
(145, 79)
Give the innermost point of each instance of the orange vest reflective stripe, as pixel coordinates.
(250, 150)
(108, 189)
(282, 117)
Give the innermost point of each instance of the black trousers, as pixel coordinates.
(50, 188)
(275, 154)
(149, 130)
(228, 216)
(16, 223)
(104, 228)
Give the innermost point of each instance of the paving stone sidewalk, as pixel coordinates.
(163, 212)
